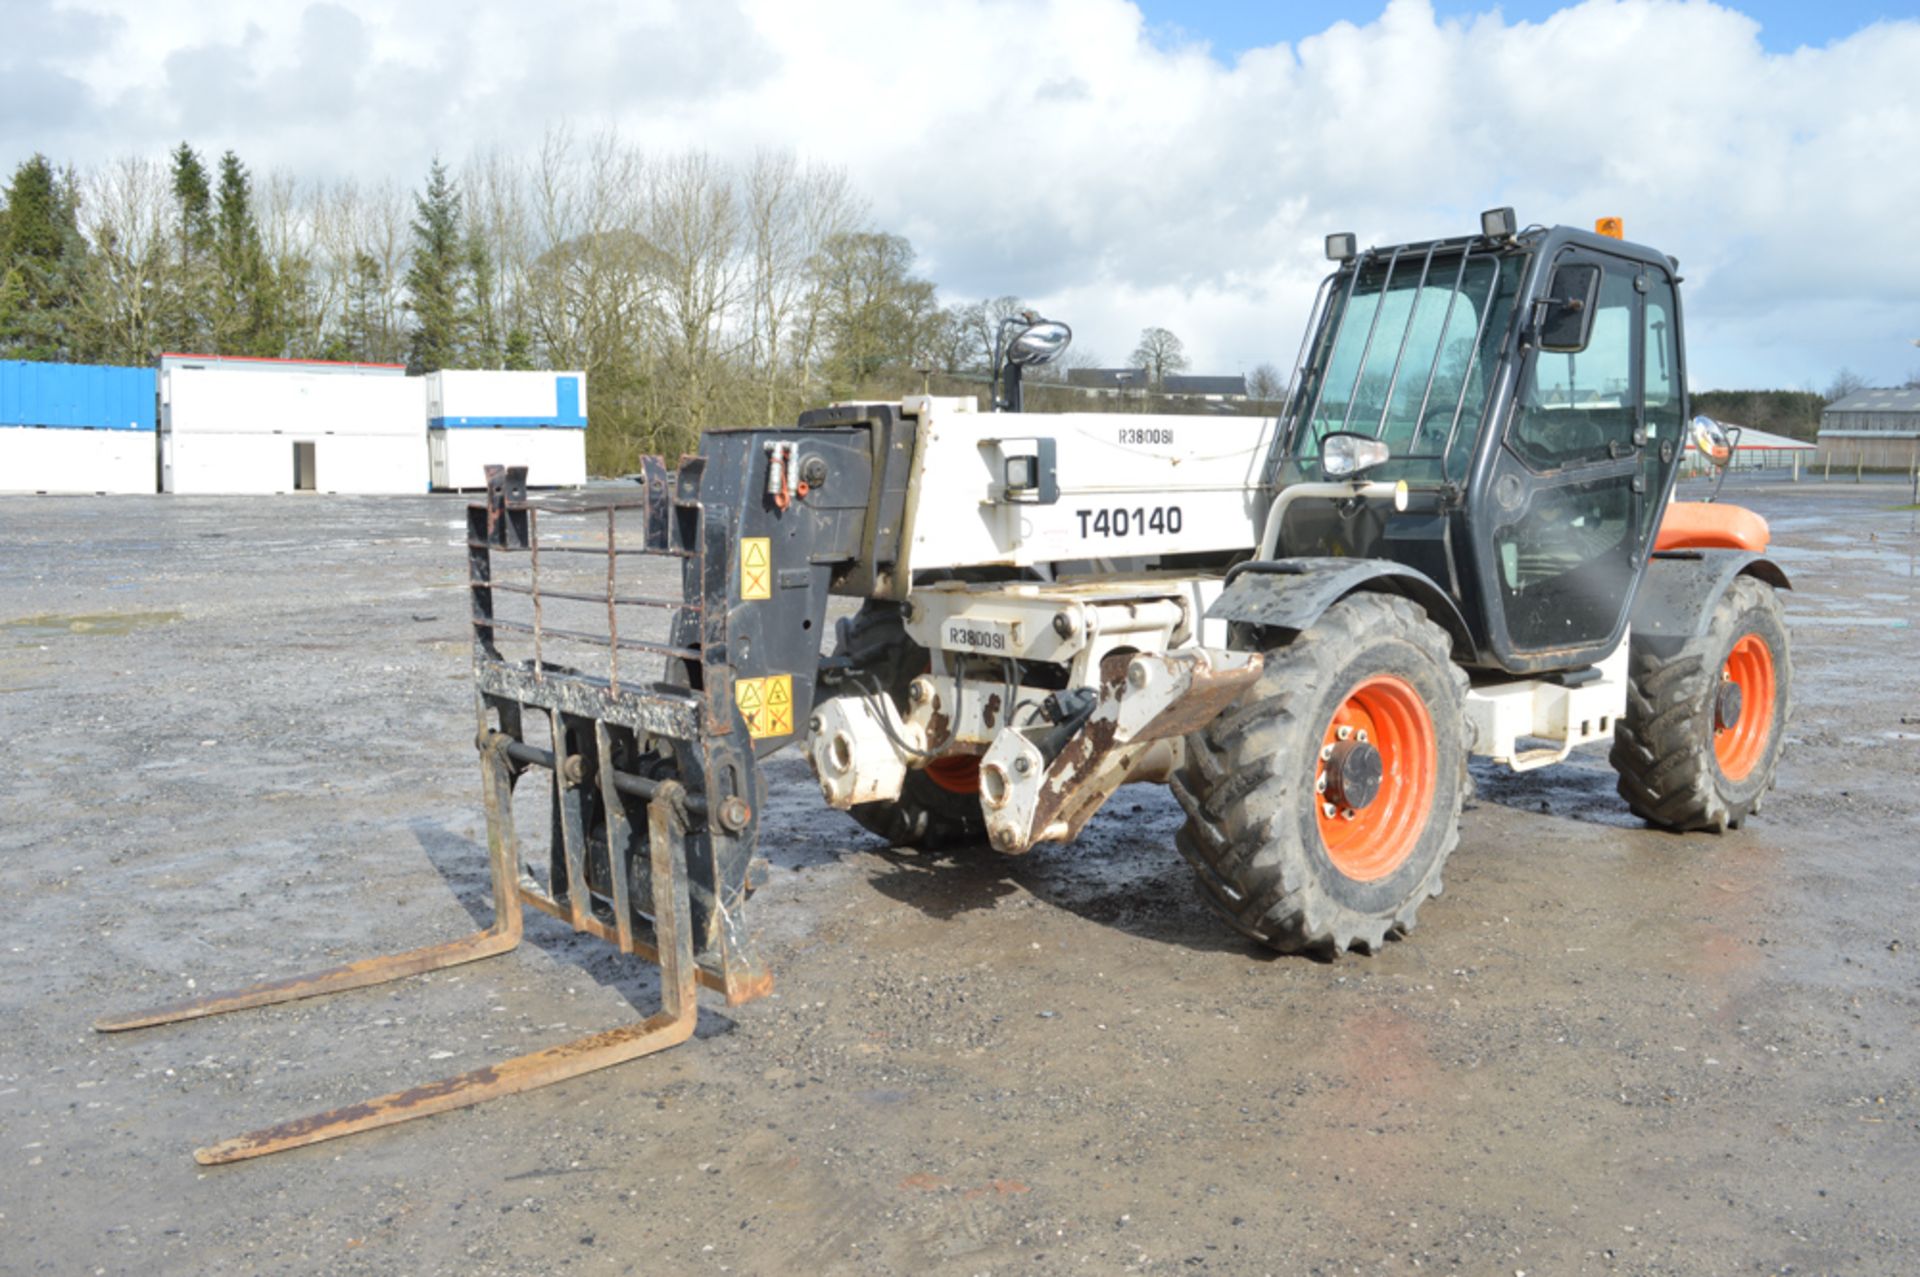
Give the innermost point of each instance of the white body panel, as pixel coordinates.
(1560, 718)
(485, 397)
(36, 459)
(553, 458)
(1129, 485)
(226, 464)
(229, 401)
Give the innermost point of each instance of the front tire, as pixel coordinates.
(1706, 717)
(1299, 839)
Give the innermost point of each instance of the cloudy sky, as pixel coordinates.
(1121, 163)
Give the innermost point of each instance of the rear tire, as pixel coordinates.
(1268, 857)
(1681, 767)
(927, 815)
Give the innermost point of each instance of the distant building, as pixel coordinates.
(1108, 379)
(1878, 429)
(1200, 387)
(1126, 380)
(75, 428)
(1755, 450)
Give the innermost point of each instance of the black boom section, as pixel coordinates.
(811, 510)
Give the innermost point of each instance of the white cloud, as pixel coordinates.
(1054, 150)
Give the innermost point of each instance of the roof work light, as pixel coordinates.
(1611, 227)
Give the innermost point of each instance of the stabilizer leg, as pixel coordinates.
(670, 1026)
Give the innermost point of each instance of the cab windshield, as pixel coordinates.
(1405, 350)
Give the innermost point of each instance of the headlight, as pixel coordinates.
(1343, 455)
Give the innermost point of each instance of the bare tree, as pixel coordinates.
(828, 210)
(499, 254)
(984, 319)
(360, 247)
(128, 213)
(693, 226)
(592, 286)
(309, 295)
(1159, 352)
(952, 341)
(1844, 383)
(1265, 382)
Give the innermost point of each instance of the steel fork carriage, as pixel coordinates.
(651, 785)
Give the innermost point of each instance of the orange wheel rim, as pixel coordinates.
(1740, 747)
(956, 773)
(1368, 842)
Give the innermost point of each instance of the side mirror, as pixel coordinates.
(1041, 342)
(1566, 312)
(1712, 441)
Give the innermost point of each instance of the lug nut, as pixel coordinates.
(1326, 752)
(1330, 810)
(1343, 733)
(1347, 814)
(1360, 735)
(1320, 783)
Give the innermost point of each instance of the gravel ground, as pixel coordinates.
(237, 744)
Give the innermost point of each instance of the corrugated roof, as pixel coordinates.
(1905, 399)
(1764, 441)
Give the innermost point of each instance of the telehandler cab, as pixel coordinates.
(1456, 539)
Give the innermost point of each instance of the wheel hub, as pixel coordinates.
(1354, 772)
(1726, 706)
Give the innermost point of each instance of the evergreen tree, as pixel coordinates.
(518, 356)
(188, 303)
(438, 279)
(247, 311)
(363, 335)
(488, 343)
(43, 264)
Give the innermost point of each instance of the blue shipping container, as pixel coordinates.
(76, 396)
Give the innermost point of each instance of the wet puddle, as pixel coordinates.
(38, 629)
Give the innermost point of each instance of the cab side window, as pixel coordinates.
(1665, 441)
(1578, 406)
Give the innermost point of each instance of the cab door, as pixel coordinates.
(1566, 511)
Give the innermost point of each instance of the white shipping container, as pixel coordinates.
(37, 459)
(522, 400)
(460, 456)
(229, 401)
(224, 464)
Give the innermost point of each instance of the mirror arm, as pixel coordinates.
(1733, 449)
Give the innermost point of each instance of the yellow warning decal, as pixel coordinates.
(766, 704)
(756, 568)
